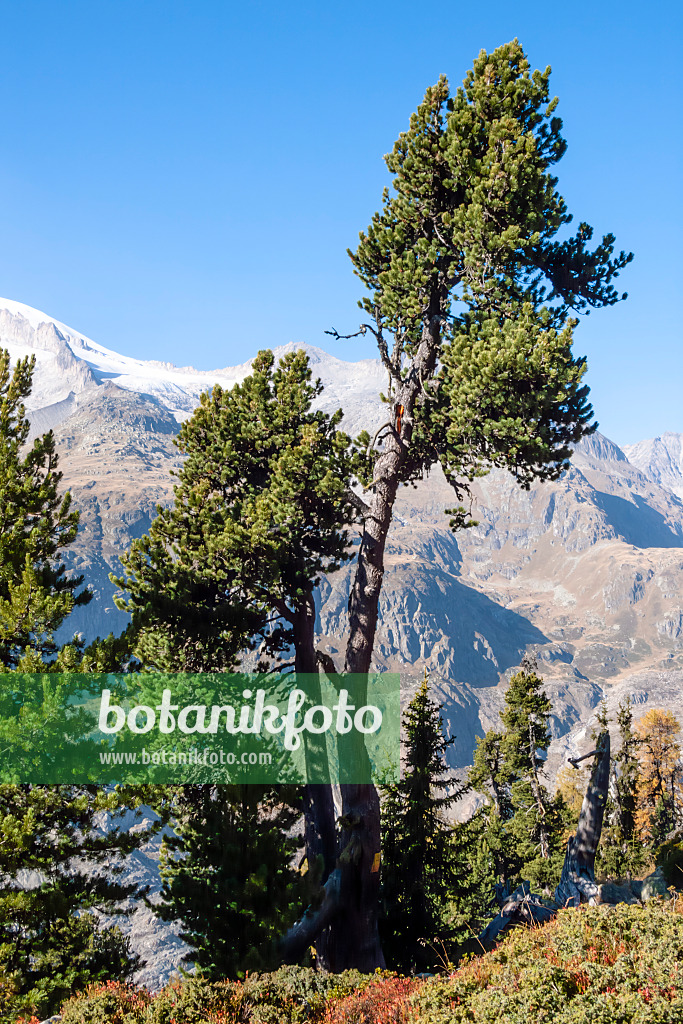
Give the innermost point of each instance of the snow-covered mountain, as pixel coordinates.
(661, 458)
(69, 365)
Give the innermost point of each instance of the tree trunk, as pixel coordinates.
(349, 909)
(538, 797)
(320, 835)
(356, 937)
(578, 872)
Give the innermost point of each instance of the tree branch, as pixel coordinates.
(357, 502)
(304, 933)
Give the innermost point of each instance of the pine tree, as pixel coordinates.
(50, 941)
(417, 848)
(228, 876)
(261, 513)
(259, 516)
(470, 301)
(35, 525)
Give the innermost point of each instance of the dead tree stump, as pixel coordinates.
(577, 882)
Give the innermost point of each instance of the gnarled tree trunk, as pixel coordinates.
(577, 881)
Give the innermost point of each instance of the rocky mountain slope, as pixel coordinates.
(585, 572)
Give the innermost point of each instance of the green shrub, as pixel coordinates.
(291, 995)
(294, 994)
(670, 859)
(64, 958)
(595, 965)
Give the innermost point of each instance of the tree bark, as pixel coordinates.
(353, 938)
(320, 837)
(356, 937)
(314, 923)
(577, 882)
(538, 797)
(578, 870)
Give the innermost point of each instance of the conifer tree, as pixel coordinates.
(228, 876)
(417, 849)
(659, 802)
(51, 943)
(261, 513)
(36, 523)
(526, 825)
(471, 298)
(471, 302)
(622, 852)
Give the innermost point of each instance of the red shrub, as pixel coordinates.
(383, 1002)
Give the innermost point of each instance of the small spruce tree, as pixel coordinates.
(621, 851)
(50, 941)
(418, 867)
(527, 826)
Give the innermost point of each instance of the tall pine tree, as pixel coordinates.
(471, 302)
(261, 513)
(50, 942)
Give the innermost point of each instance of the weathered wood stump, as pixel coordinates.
(577, 882)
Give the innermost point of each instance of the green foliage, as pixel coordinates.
(669, 857)
(595, 965)
(525, 827)
(71, 953)
(291, 995)
(621, 851)
(259, 516)
(49, 943)
(228, 877)
(463, 260)
(417, 852)
(472, 904)
(35, 524)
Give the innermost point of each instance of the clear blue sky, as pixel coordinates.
(181, 180)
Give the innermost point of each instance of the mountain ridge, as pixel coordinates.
(584, 573)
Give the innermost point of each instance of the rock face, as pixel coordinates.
(662, 459)
(584, 572)
(156, 941)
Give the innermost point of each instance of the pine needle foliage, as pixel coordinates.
(36, 523)
(260, 515)
(468, 263)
